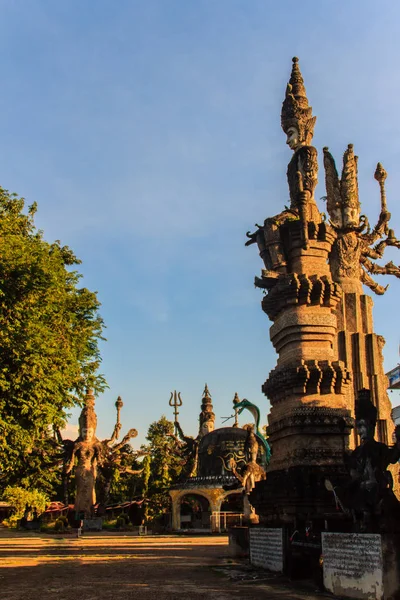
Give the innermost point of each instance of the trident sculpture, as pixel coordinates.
(175, 401)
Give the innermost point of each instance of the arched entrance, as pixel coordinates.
(200, 508)
(195, 512)
(233, 502)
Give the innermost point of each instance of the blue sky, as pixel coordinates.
(149, 134)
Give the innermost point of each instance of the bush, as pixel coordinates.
(61, 523)
(111, 524)
(18, 498)
(122, 521)
(48, 527)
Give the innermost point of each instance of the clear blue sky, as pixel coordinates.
(149, 134)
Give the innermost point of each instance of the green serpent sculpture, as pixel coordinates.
(255, 411)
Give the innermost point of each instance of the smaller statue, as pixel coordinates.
(27, 516)
(90, 453)
(87, 451)
(356, 247)
(190, 452)
(31, 520)
(252, 471)
(369, 494)
(250, 474)
(240, 406)
(189, 444)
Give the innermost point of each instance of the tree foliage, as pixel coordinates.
(49, 354)
(163, 466)
(160, 467)
(19, 498)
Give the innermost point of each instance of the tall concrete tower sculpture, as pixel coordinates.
(316, 323)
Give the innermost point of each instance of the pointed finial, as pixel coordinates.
(236, 401)
(88, 418)
(380, 173)
(296, 111)
(118, 405)
(89, 398)
(349, 187)
(296, 82)
(207, 416)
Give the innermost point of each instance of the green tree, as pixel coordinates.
(19, 498)
(162, 467)
(49, 333)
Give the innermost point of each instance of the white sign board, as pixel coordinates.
(353, 565)
(266, 548)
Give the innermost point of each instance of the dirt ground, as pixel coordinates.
(120, 567)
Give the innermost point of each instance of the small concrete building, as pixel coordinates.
(213, 500)
(211, 497)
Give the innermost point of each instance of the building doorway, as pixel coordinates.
(195, 512)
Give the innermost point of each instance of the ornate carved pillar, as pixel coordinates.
(309, 422)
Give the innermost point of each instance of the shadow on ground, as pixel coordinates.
(98, 567)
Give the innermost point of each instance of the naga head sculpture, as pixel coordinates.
(296, 116)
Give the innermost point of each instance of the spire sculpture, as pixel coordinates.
(207, 417)
(309, 423)
(322, 322)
